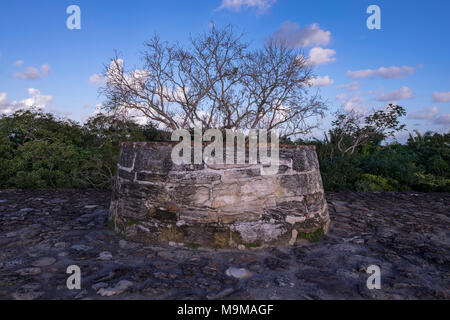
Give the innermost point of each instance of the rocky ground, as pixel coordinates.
(405, 234)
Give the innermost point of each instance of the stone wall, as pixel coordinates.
(223, 206)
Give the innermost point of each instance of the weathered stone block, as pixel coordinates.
(195, 177)
(199, 215)
(227, 205)
(126, 175)
(126, 156)
(157, 160)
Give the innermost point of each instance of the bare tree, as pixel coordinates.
(217, 82)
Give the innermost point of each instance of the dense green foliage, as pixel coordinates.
(422, 164)
(39, 150)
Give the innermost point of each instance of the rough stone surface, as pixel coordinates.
(406, 234)
(218, 206)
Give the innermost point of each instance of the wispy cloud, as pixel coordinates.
(292, 35)
(45, 68)
(30, 74)
(238, 5)
(432, 115)
(18, 63)
(443, 119)
(353, 103)
(387, 73)
(401, 94)
(427, 113)
(95, 79)
(321, 81)
(441, 97)
(353, 86)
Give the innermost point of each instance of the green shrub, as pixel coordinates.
(39, 150)
(372, 183)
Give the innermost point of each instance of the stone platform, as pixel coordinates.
(44, 232)
(217, 206)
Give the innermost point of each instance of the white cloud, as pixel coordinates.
(135, 78)
(353, 86)
(427, 113)
(319, 56)
(321, 81)
(35, 99)
(95, 79)
(18, 63)
(354, 103)
(30, 74)
(45, 68)
(441, 97)
(443, 119)
(291, 34)
(237, 5)
(400, 94)
(431, 114)
(387, 73)
(3, 100)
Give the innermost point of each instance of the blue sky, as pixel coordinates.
(407, 61)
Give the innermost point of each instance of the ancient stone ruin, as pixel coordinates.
(226, 206)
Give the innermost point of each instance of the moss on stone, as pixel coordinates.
(252, 245)
(314, 236)
(170, 235)
(110, 225)
(236, 237)
(193, 245)
(221, 238)
(131, 222)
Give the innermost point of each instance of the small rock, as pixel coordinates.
(30, 291)
(181, 223)
(44, 262)
(105, 256)
(238, 273)
(80, 247)
(81, 294)
(29, 271)
(99, 286)
(282, 281)
(123, 244)
(91, 206)
(119, 288)
(222, 294)
(61, 245)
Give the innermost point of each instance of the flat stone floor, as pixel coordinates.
(405, 234)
